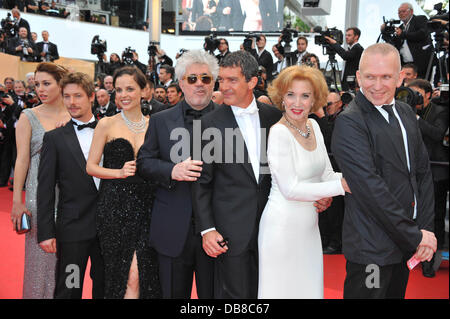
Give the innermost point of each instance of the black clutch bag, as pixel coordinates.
(25, 225)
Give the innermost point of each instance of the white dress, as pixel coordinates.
(290, 249)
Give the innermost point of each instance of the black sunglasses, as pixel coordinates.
(192, 79)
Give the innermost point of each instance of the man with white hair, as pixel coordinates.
(412, 39)
(172, 232)
(389, 215)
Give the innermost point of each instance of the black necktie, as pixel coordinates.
(82, 126)
(396, 131)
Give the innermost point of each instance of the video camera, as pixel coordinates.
(333, 33)
(286, 37)
(152, 48)
(438, 27)
(9, 26)
(211, 43)
(98, 47)
(249, 40)
(127, 56)
(388, 33)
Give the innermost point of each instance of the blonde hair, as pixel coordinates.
(383, 49)
(284, 80)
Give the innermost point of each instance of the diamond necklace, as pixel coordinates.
(305, 135)
(136, 127)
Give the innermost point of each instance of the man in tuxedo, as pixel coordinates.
(389, 214)
(73, 235)
(262, 56)
(149, 102)
(350, 56)
(223, 49)
(295, 57)
(20, 22)
(47, 51)
(172, 230)
(105, 106)
(412, 39)
(166, 75)
(232, 190)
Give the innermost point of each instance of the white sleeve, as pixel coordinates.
(282, 163)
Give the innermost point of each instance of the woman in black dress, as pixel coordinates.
(125, 199)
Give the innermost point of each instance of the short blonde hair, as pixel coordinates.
(284, 80)
(382, 49)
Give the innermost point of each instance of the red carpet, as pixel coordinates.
(12, 258)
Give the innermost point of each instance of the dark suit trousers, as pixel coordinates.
(6, 156)
(176, 274)
(389, 282)
(440, 195)
(72, 258)
(236, 277)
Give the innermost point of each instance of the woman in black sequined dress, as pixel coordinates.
(125, 199)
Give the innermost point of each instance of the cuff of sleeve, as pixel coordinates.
(207, 231)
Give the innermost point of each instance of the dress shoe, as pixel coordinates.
(427, 269)
(331, 250)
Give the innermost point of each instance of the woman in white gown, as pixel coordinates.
(290, 250)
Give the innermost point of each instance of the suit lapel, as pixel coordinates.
(72, 143)
(264, 123)
(408, 130)
(384, 128)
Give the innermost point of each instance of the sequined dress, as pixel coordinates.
(39, 272)
(123, 226)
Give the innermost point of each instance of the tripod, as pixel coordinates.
(443, 67)
(334, 68)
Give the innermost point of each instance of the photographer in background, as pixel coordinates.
(114, 63)
(351, 56)
(149, 105)
(263, 56)
(223, 49)
(433, 121)
(21, 46)
(412, 39)
(47, 51)
(410, 72)
(296, 56)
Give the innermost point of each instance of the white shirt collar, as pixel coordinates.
(79, 122)
(249, 110)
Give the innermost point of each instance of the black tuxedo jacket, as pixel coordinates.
(63, 164)
(227, 195)
(266, 60)
(351, 58)
(15, 42)
(378, 221)
(172, 207)
(52, 51)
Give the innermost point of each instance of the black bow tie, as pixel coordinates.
(192, 114)
(82, 126)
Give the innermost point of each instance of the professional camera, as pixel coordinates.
(146, 108)
(98, 47)
(211, 43)
(333, 33)
(127, 56)
(249, 40)
(409, 96)
(389, 33)
(152, 48)
(286, 37)
(9, 26)
(437, 27)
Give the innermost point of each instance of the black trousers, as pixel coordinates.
(440, 196)
(72, 258)
(376, 282)
(6, 157)
(236, 277)
(176, 274)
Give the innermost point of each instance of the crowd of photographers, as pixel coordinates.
(427, 94)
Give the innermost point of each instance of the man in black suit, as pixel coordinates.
(223, 49)
(103, 106)
(172, 230)
(350, 56)
(47, 51)
(262, 56)
(22, 46)
(73, 235)
(389, 214)
(148, 102)
(296, 56)
(432, 117)
(20, 22)
(412, 39)
(232, 190)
